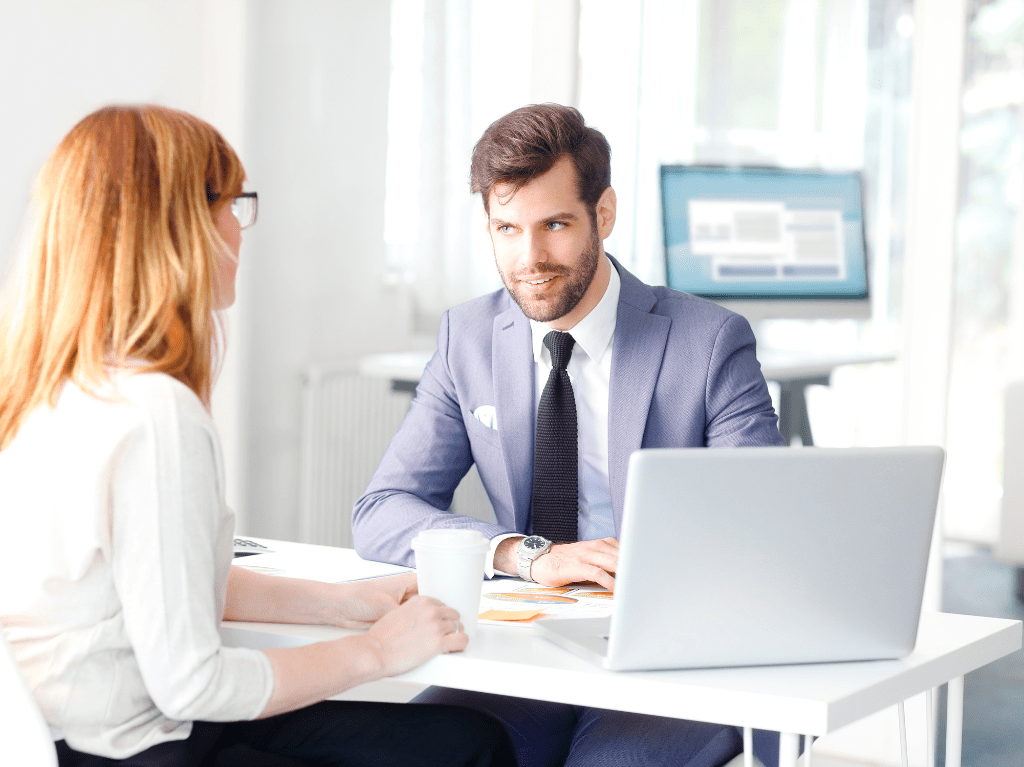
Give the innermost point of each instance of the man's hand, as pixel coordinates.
(574, 562)
(359, 605)
(565, 562)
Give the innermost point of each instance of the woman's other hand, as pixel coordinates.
(267, 598)
(414, 633)
(362, 603)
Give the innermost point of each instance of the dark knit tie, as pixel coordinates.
(556, 463)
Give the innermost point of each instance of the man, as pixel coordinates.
(548, 386)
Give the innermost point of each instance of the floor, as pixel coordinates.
(975, 584)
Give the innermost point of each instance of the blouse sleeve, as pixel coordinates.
(166, 520)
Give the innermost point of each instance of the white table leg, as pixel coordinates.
(789, 749)
(903, 733)
(954, 721)
(929, 746)
(748, 747)
(808, 742)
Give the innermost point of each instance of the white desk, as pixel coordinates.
(794, 700)
(782, 366)
(793, 370)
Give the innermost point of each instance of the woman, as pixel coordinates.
(117, 566)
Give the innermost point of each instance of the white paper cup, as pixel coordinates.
(450, 567)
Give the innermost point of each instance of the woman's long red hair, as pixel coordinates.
(123, 259)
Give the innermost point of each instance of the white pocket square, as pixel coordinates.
(487, 415)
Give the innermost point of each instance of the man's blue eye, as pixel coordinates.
(556, 225)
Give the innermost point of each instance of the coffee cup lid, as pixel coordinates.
(445, 538)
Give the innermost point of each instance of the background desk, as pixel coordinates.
(811, 699)
(793, 371)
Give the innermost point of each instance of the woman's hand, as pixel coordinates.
(405, 630)
(361, 604)
(414, 633)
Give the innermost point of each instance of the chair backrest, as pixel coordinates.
(24, 735)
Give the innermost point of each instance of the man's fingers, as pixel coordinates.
(600, 577)
(607, 562)
(569, 560)
(598, 544)
(604, 543)
(589, 550)
(575, 572)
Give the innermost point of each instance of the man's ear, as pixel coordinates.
(605, 209)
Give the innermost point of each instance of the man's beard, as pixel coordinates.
(577, 280)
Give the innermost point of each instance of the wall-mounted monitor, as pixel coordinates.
(767, 242)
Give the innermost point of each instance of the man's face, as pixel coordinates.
(546, 244)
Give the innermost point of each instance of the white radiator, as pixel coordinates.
(348, 419)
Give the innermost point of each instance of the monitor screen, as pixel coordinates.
(764, 233)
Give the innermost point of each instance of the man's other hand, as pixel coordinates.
(575, 562)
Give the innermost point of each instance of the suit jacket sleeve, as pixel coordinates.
(412, 488)
(739, 408)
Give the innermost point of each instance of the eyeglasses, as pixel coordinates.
(244, 207)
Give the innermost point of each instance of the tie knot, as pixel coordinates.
(560, 345)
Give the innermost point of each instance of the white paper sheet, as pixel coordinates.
(326, 564)
(582, 606)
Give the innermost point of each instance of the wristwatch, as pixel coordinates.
(529, 549)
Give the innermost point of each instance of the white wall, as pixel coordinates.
(61, 59)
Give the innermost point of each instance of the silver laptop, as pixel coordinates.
(756, 556)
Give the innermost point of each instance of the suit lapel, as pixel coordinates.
(513, 370)
(637, 353)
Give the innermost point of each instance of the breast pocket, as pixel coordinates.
(480, 434)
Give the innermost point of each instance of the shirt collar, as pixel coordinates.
(594, 332)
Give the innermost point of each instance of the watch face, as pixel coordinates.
(534, 542)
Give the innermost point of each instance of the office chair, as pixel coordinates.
(24, 735)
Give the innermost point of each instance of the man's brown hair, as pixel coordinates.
(526, 143)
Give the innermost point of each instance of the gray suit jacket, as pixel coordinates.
(684, 374)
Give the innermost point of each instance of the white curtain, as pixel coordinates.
(458, 65)
(638, 80)
(642, 69)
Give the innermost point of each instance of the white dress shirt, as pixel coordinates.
(114, 570)
(590, 368)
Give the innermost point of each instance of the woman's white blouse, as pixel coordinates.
(115, 548)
